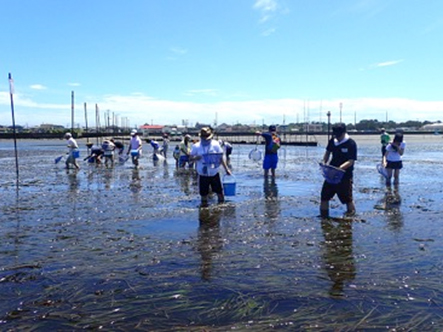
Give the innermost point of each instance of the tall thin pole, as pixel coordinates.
(72, 112)
(329, 125)
(97, 120)
(341, 106)
(11, 93)
(86, 122)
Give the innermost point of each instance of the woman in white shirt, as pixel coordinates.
(392, 159)
(135, 147)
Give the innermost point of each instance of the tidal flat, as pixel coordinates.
(124, 249)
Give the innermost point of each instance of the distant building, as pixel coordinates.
(313, 127)
(433, 127)
(147, 130)
(45, 127)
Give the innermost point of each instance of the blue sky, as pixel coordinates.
(246, 61)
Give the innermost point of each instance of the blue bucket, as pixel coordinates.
(76, 154)
(229, 185)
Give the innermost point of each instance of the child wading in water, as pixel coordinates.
(392, 159)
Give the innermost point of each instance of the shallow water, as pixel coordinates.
(126, 249)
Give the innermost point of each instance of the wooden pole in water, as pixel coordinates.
(86, 123)
(329, 125)
(97, 120)
(72, 113)
(11, 93)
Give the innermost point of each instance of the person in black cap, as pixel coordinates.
(344, 154)
(272, 144)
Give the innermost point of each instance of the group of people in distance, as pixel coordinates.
(208, 154)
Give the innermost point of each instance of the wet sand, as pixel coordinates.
(126, 249)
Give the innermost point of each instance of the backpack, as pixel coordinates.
(275, 143)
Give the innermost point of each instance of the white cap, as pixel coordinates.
(133, 132)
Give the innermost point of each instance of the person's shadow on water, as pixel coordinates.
(338, 258)
(209, 241)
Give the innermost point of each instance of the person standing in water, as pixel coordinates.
(165, 145)
(108, 152)
(135, 147)
(208, 155)
(384, 140)
(344, 154)
(272, 144)
(185, 149)
(392, 160)
(73, 151)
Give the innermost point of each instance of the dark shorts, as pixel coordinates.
(342, 189)
(394, 164)
(183, 160)
(204, 182)
(270, 161)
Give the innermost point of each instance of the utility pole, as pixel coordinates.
(72, 112)
(341, 106)
(329, 125)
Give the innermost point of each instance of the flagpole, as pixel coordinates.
(72, 113)
(11, 93)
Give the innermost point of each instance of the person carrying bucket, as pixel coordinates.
(272, 144)
(73, 151)
(344, 154)
(208, 155)
(135, 147)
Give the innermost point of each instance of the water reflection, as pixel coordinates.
(135, 186)
(184, 178)
(392, 202)
(338, 259)
(108, 176)
(209, 241)
(272, 203)
(74, 182)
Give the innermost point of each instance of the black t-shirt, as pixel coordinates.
(342, 153)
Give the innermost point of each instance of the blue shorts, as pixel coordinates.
(270, 161)
(183, 160)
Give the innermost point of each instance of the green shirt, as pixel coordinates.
(384, 139)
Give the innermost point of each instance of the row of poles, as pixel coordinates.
(11, 93)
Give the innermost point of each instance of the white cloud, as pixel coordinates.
(38, 87)
(388, 63)
(267, 8)
(139, 108)
(179, 50)
(205, 92)
(266, 5)
(268, 32)
(74, 84)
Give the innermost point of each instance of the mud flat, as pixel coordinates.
(126, 249)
